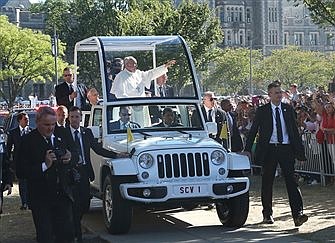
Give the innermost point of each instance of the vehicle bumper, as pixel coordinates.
(149, 193)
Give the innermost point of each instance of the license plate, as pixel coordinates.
(190, 190)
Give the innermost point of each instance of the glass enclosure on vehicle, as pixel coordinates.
(101, 59)
(153, 117)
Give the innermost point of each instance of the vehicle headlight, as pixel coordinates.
(217, 157)
(146, 161)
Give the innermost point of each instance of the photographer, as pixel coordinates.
(44, 162)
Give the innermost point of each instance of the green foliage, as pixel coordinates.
(24, 56)
(322, 12)
(306, 68)
(231, 72)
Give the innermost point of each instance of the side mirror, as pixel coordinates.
(96, 131)
(212, 128)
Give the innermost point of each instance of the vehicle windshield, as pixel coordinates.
(153, 117)
(131, 67)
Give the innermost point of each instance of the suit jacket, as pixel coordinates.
(168, 91)
(116, 125)
(43, 186)
(263, 125)
(89, 142)
(6, 173)
(220, 119)
(63, 91)
(236, 140)
(14, 139)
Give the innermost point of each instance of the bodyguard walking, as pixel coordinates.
(279, 142)
(13, 145)
(81, 140)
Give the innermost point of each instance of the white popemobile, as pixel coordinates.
(169, 166)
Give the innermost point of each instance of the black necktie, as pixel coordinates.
(278, 126)
(71, 89)
(78, 146)
(161, 94)
(48, 140)
(210, 119)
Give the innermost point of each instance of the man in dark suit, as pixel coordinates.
(212, 113)
(13, 145)
(44, 161)
(279, 142)
(82, 140)
(69, 95)
(162, 89)
(124, 121)
(6, 176)
(169, 119)
(93, 99)
(236, 140)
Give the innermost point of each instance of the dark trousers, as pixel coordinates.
(53, 220)
(81, 194)
(23, 190)
(282, 154)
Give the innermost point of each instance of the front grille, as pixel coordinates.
(183, 165)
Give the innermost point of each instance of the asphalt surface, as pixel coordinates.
(199, 225)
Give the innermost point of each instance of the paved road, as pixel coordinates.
(193, 226)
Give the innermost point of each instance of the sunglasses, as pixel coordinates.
(125, 114)
(68, 75)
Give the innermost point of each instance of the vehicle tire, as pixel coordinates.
(117, 211)
(233, 212)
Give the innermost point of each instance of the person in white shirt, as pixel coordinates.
(132, 82)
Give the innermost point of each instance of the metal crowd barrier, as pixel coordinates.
(320, 157)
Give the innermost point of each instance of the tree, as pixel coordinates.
(76, 20)
(322, 12)
(306, 68)
(24, 56)
(231, 72)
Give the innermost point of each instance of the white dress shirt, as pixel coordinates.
(80, 140)
(212, 113)
(274, 138)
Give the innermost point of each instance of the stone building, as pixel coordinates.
(271, 24)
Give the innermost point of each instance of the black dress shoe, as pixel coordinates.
(300, 219)
(268, 219)
(23, 207)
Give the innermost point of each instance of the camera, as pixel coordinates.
(59, 152)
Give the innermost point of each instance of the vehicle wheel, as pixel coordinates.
(117, 211)
(233, 212)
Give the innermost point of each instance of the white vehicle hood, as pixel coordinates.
(159, 143)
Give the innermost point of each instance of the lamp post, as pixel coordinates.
(54, 44)
(250, 68)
